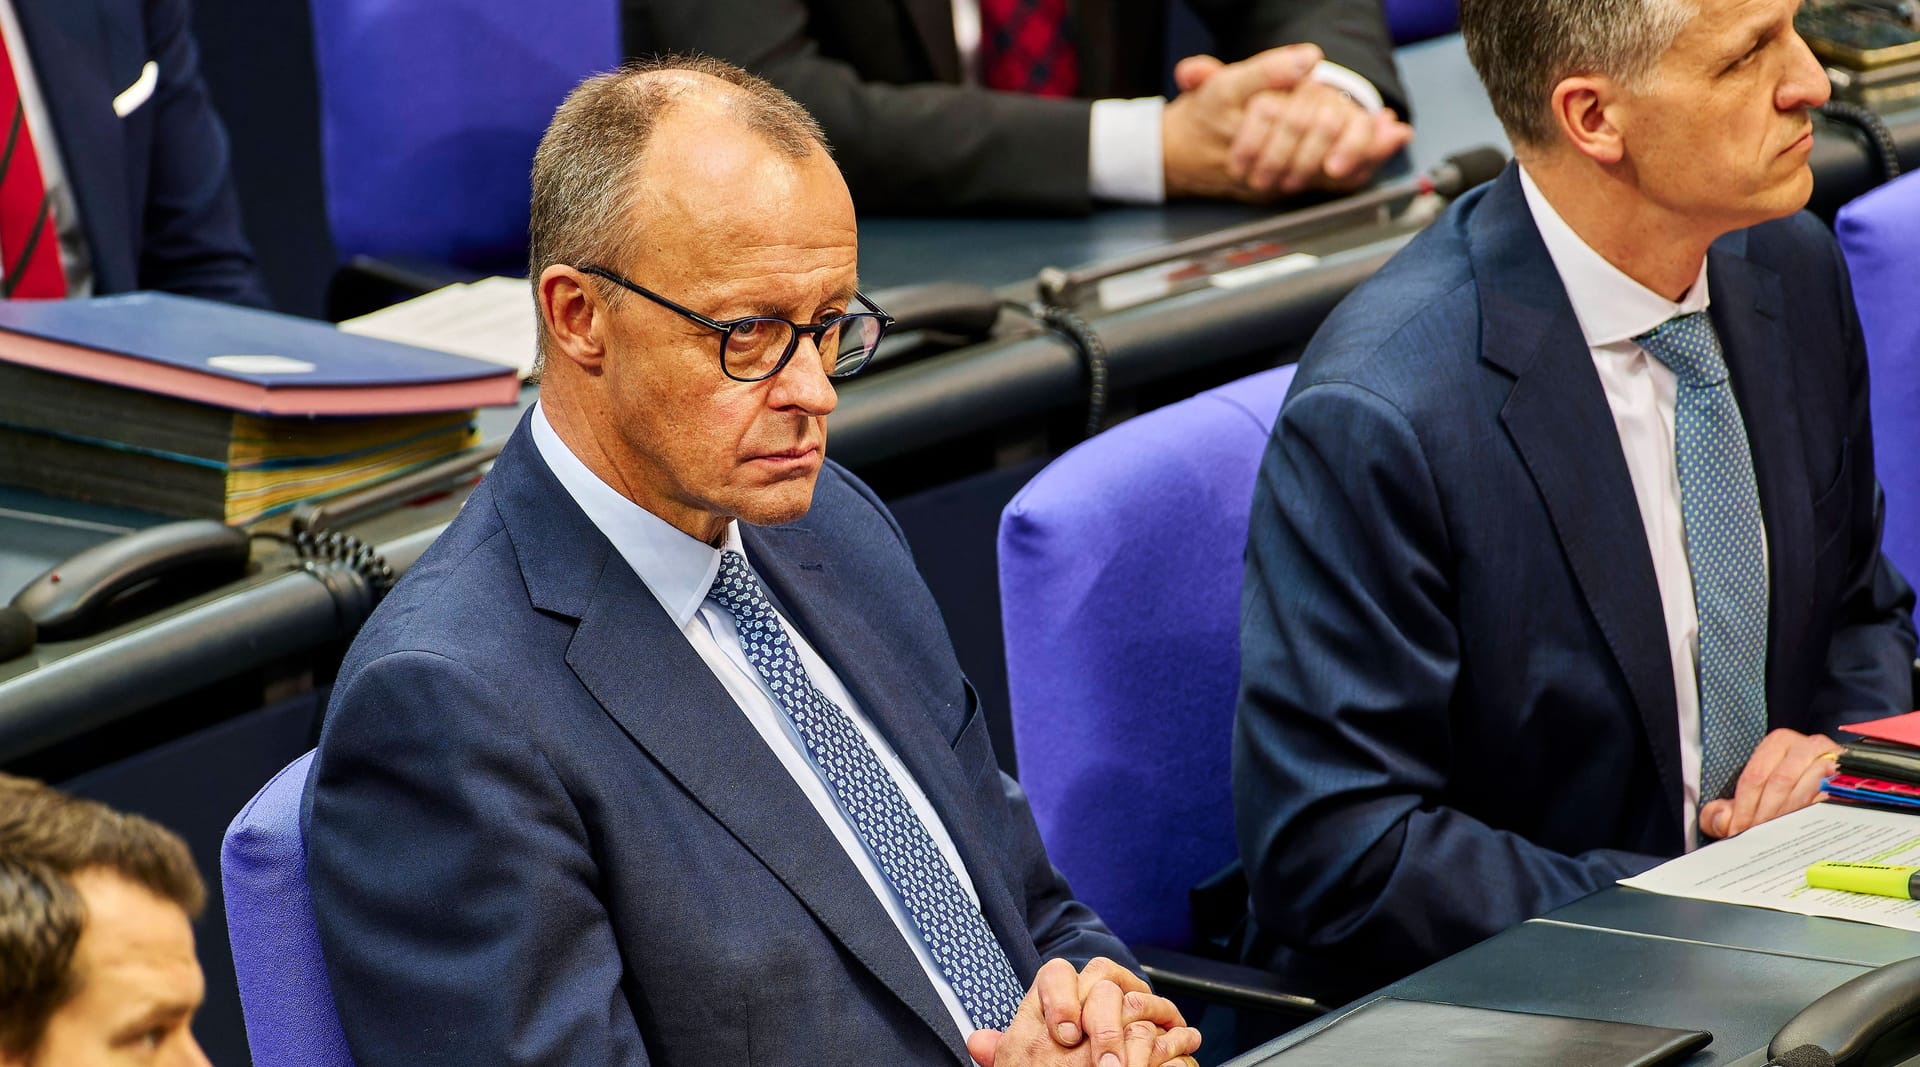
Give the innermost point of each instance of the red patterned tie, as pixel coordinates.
(1024, 47)
(29, 250)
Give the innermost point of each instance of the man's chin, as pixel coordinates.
(776, 505)
(1788, 195)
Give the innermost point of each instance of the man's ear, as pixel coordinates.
(1587, 110)
(575, 316)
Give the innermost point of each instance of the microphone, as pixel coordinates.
(1450, 177)
(1803, 1056)
(1463, 170)
(17, 633)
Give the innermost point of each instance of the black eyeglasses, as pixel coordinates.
(758, 347)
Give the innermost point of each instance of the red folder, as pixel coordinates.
(1898, 729)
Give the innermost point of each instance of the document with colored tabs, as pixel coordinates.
(1766, 867)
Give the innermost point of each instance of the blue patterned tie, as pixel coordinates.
(954, 930)
(1720, 504)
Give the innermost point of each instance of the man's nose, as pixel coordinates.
(1806, 82)
(803, 382)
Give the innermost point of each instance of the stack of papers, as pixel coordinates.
(1882, 764)
(1766, 867)
(491, 319)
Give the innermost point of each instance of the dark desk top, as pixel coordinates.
(1741, 997)
(1650, 915)
(1633, 956)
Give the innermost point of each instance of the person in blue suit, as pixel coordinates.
(1565, 551)
(142, 197)
(661, 753)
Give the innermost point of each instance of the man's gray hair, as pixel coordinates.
(1523, 48)
(583, 188)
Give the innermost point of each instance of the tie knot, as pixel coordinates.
(1689, 347)
(734, 586)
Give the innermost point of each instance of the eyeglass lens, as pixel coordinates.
(754, 347)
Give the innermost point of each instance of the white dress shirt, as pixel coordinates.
(679, 571)
(74, 258)
(1123, 136)
(1613, 309)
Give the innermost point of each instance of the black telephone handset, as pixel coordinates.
(1847, 1021)
(937, 316)
(77, 596)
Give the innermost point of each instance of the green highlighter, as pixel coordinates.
(1880, 879)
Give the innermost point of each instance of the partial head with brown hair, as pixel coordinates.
(96, 951)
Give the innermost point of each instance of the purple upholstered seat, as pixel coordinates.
(429, 114)
(1417, 20)
(291, 1019)
(1877, 233)
(1120, 569)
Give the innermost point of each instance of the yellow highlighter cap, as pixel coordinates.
(1880, 879)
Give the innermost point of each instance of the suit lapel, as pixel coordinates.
(1559, 421)
(676, 711)
(894, 694)
(1746, 310)
(933, 23)
(73, 63)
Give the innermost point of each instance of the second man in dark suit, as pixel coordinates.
(1565, 553)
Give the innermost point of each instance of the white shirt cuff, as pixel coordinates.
(1348, 82)
(1123, 150)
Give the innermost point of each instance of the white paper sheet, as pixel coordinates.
(1767, 866)
(491, 319)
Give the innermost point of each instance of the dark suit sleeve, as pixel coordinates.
(1352, 33)
(1870, 660)
(912, 149)
(424, 849)
(1342, 745)
(191, 240)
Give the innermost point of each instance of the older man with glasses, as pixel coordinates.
(661, 754)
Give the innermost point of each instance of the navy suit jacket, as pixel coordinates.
(1457, 709)
(539, 831)
(155, 199)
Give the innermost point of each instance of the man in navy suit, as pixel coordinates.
(661, 753)
(1565, 552)
(132, 158)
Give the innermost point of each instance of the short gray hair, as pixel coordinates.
(1523, 48)
(583, 170)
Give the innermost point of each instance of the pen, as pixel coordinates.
(1880, 879)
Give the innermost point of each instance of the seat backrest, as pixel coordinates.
(1417, 20)
(430, 112)
(1120, 572)
(1876, 232)
(284, 994)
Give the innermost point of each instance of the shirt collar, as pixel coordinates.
(677, 569)
(1611, 306)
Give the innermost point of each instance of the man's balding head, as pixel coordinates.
(589, 168)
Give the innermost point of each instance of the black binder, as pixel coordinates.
(1450, 1035)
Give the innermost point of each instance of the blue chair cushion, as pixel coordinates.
(284, 993)
(1120, 573)
(1877, 234)
(1417, 20)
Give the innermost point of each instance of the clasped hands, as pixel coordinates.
(1262, 128)
(1101, 1016)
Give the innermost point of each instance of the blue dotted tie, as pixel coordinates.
(1720, 504)
(954, 930)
